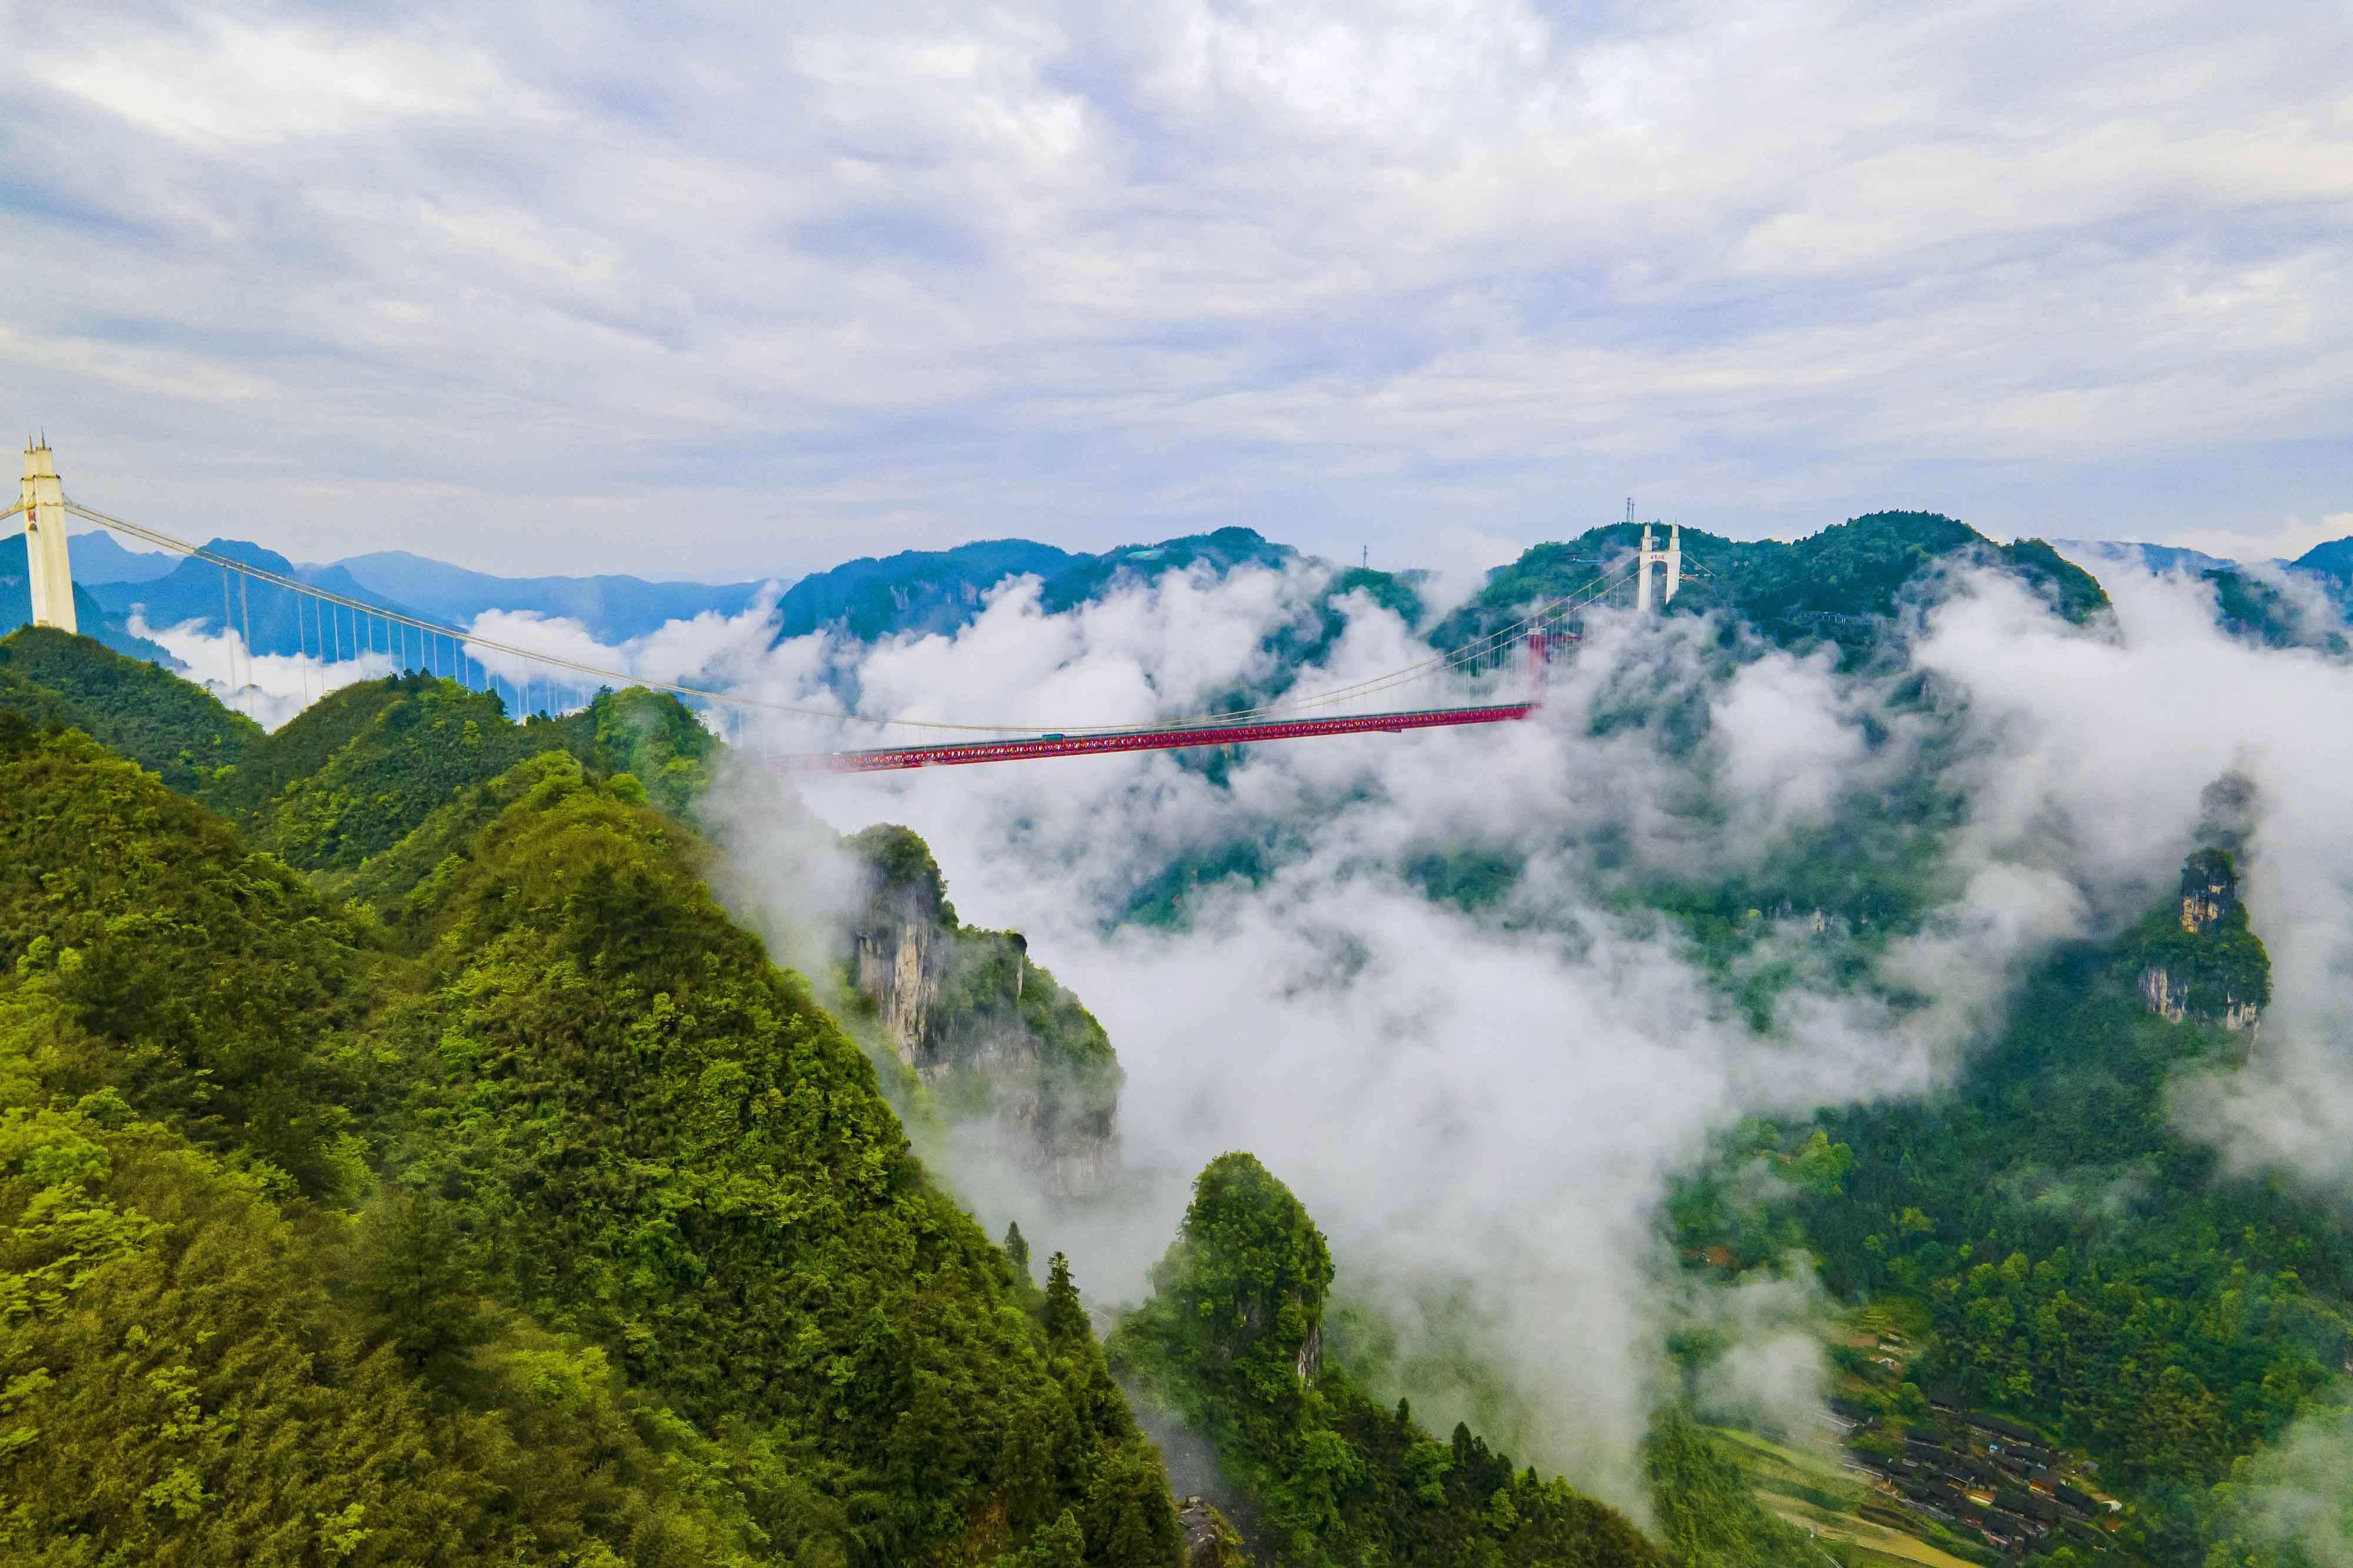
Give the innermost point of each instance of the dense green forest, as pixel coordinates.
(405, 1160)
(1843, 586)
(516, 1209)
(1231, 1342)
(2065, 1253)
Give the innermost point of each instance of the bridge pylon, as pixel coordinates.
(1671, 558)
(47, 566)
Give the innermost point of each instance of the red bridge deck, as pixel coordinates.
(1143, 739)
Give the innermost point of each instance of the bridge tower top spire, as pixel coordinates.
(48, 567)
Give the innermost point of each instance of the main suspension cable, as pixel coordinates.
(464, 640)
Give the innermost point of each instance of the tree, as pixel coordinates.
(1017, 1248)
(1066, 1315)
(413, 1269)
(1129, 1519)
(1061, 1544)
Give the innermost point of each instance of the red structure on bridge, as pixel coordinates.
(1542, 644)
(1145, 740)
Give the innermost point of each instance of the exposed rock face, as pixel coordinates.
(2208, 967)
(2210, 890)
(1211, 1540)
(994, 1037)
(2170, 1000)
(900, 957)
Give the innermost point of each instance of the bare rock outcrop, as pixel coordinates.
(974, 1019)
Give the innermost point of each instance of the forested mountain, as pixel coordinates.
(1842, 585)
(393, 1084)
(454, 1182)
(2063, 1253)
(941, 591)
(139, 709)
(613, 608)
(525, 1213)
(1231, 1344)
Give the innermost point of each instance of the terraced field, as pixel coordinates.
(1857, 1525)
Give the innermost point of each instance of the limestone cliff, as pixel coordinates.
(2198, 961)
(992, 1033)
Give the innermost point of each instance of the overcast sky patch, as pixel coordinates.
(733, 298)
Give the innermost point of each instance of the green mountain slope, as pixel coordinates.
(358, 770)
(551, 1224)
(147, 713)
(1231, 1342)
(1842, 584)
(2069, 1257)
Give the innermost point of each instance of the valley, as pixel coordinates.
(1774, 1139)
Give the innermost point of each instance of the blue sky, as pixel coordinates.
(551, 287)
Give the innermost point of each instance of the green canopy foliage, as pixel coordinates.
(1230, 1342)
(2077, 1262)
(1706, 1509)
(141, 709)
(541, 1220)
(1843, 586)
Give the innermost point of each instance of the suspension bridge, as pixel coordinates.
(335, 628)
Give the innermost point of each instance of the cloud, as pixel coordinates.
(1471, 1105)
(706, 649)
(754, 293)
(2294, 1496)
(2099, 750)
(1488, 1108)
(249, 84)
(269, 690)
(2284, 540)
(1485, 1110)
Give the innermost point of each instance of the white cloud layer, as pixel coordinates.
(269, 689)
(750, 293)
(1497, 1105)
(1491, 1107)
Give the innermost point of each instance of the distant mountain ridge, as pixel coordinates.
(100, 557)
(2155, 557)
(278, 621)
(614, 608)
(1842, 584)
(2334, 559)
(939, 592)
(915, 591)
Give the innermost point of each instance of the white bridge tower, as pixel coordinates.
(47, 566)
(1671, 558)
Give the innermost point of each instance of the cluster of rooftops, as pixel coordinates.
(1972, 1468)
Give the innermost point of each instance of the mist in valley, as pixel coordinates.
(1486, 1102)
